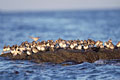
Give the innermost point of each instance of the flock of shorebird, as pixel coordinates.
(50, 45)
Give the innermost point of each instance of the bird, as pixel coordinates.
(22, 48)
(47, 44)
(75, 43)
(81, 42)
(72, 46)
(34, 38)
(85, 42)
(97, 43)
(43, 48)
(4, 48)
(8, 48)
(101, 46)
(14, 52)
(39, 47)
(106, 44)
(92, 43)
(85, 47)
(118, 44)
(110, 40)
(35, 50)
(64, 45)
(111, 46)
(29, 52)
(79, 47)
(61, 44)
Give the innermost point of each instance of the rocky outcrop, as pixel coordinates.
(61, 55)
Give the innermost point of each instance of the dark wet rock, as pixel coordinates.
(61, 56)
(16, 72)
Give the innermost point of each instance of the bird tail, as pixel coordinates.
(31, 37)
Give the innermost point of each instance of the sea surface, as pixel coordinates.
(15, 27)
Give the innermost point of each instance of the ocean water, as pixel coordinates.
(15, 27)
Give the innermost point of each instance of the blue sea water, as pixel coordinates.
(15, 27)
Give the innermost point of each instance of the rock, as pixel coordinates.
(62, 55)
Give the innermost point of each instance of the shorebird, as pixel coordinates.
(64, 45)
(72, 46)
(39, 46)
(111, 46)
(43, 42)
(28, 48)
(34, 44)
(4, 48)
(52, 45)
(35, 50)
(110, 40)
(26, 44)
(21, 48)
(79, 47)
(85, 42)
(118, 44)
(47, 44)
(15, 52)
(29, 52)
(19, 52)
(61, 44)
(89, 41)
(100, 43)
(42, 48)
(85, 47)
(75, 43)
(106, 44)
(38, 42)
(92, 43)
(97, 43)
(81, 42)
(31, 45)
(77, 40)
(101, 46)
(34, 38)
(57, 46)
(8, 48)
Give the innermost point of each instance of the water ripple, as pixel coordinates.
(98, 25)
